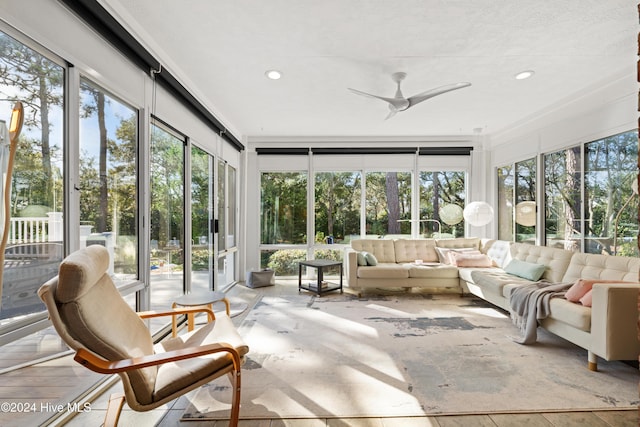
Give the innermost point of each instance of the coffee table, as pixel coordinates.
(321, 286)
(197, 299)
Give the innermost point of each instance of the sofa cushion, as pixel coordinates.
(498, 250)
(570, 313)
(411, 250)
(605, 267)
(471, 242)
(465, 272)
(494, 280)
(383, 271)
(439, 271)
(555, 259)
(382, 249)
(524, 269)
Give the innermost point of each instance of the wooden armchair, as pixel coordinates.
(109, 337)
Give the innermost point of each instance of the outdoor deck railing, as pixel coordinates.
(35, 229)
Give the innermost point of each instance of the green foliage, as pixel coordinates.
(200, 259)
(285, 262)
(283, 207)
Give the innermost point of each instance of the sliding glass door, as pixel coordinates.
(202, 220)
(167, 216)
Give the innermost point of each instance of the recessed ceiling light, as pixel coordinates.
(273, 74)
(524, 75)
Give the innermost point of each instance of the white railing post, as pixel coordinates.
(55, 226)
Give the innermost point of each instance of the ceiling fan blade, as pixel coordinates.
(392, 112)
(397, 103)
(435, 92)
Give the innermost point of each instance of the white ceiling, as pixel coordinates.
(220, 50)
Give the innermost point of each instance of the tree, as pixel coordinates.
(37, 82)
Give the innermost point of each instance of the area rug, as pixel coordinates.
(406, 355)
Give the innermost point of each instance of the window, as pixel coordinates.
(337, 206)
(505, 202)
(611, 205)
(388, 203)
(201, 220)
(517, 202)
(35, 243)
(283, 209)
(562, 191)
(108, 197)
(283, 214)
(167, 214)
(525, 197)
(442, 200)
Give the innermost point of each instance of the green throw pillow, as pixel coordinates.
(526, 270)
(371, 259)
(362, 258)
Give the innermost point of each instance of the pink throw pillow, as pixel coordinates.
(580, 288)
(586, 299)
(470, 259)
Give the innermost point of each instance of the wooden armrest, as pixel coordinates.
(100, 365)
(175, 311)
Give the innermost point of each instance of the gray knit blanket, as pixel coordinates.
(530, 303)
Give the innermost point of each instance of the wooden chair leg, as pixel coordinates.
(116, 401)
(235, 400)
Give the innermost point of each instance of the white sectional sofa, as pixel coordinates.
(606, 329)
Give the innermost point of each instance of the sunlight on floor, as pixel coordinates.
(489, 312)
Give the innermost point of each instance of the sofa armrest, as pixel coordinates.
(614, 321)
(351, 265)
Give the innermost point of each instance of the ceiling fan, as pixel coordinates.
(400, 103)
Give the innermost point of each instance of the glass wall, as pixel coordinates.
(590, 197)
(202, 251)
(337, 206)
(563, 197)
(36, 234)
(388, 204)
(283, 214)
(611, 196)
(227, 251)
(442, 200)
(525, 198)
(167, 215)
(340, 216)
(108, 176)
(517, 201)
(506, 189)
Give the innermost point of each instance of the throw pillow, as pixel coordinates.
(362, 258)
(586, 299)
(524, 269)
(470, 260)
(371, 259)
(580, 288)
(443, 255)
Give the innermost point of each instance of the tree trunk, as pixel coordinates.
(393, 203)
(45, 130)
(104, 206)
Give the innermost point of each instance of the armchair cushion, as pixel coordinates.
(175, 376)
(83, 287)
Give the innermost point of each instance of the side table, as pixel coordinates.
(320, 286)
(196, 299)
